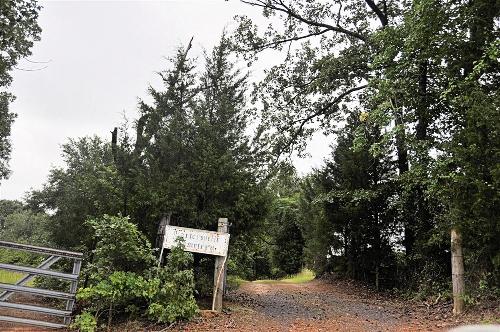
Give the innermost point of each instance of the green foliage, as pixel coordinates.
(85, 188)
(190, 156)
(173, 299)
(27, 227)
(23, 226)
(234, 282)
(18, 31)
(124, 279)
(288, 239)
(119, 291)
(425, 154)
(120, 246)
(85, 322)
(193, 156)
(8, 207)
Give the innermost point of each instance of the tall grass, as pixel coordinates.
(303, 276)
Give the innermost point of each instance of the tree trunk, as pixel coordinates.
(457, 271)
(403, 167)
(114, 143)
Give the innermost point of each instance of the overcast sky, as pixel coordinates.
(101, 57)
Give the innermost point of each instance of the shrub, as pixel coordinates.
(118, 286)
(85, 322)
(120, 246)
(173, 297)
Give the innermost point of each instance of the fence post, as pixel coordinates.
(220, 269)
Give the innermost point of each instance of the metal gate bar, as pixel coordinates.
(42, 270)
(36, 291)
(27, 278)
(26, 321)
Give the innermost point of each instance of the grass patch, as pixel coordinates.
(9, 277)
(234, 282)
(303, 276)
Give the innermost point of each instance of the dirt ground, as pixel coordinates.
(25, 299)
(318, 305)
(326, 306)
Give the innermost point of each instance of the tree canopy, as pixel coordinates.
(18, 31)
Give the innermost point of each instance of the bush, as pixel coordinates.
(172, 298)
(85, 322)
(118, 286)
(23, 226)
(120, 246)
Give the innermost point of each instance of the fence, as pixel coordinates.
(40, 270)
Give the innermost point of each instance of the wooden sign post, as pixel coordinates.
(220, 270)
(204, 242)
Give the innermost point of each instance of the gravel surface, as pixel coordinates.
(322, 306)
(319, 305)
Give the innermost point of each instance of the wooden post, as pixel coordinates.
(220, 267)
(457, 271)
(165, 221)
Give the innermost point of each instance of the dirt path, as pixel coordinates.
(313, 306)
(32, 300)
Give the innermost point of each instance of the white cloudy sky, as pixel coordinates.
(101, 58)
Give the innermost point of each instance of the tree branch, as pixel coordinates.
(282, 41)
(305, 120)
(382, 16)
(287, 10)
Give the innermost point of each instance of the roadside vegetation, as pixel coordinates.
(305, 275)
(408, 89)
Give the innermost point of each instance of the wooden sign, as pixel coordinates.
(197, 240)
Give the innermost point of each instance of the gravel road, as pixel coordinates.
(319, 306)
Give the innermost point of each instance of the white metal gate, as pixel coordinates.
(40, 270)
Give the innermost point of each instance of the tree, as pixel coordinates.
(467, 176)
(439, 44)
(358, 188)
(332, 68)
(19, 224)
(27, 227)
(288, 253)
(282, 237)
(18, 31)
(8, 207)
(88, 186)
(398, 62)
(193, 156)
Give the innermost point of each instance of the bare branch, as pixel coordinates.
(382, 16)
(326, 107)
(283, 41)
(338, 13)
(25, 69)
(287, 10)
(305, 120)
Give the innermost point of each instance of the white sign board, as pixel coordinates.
(197, 240)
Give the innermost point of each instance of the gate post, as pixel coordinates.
(77, 265)
(220, 269)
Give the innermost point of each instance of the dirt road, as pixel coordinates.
(316, 306)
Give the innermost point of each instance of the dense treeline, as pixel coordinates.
(409, 89)
(417, 84)
(190, 158)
